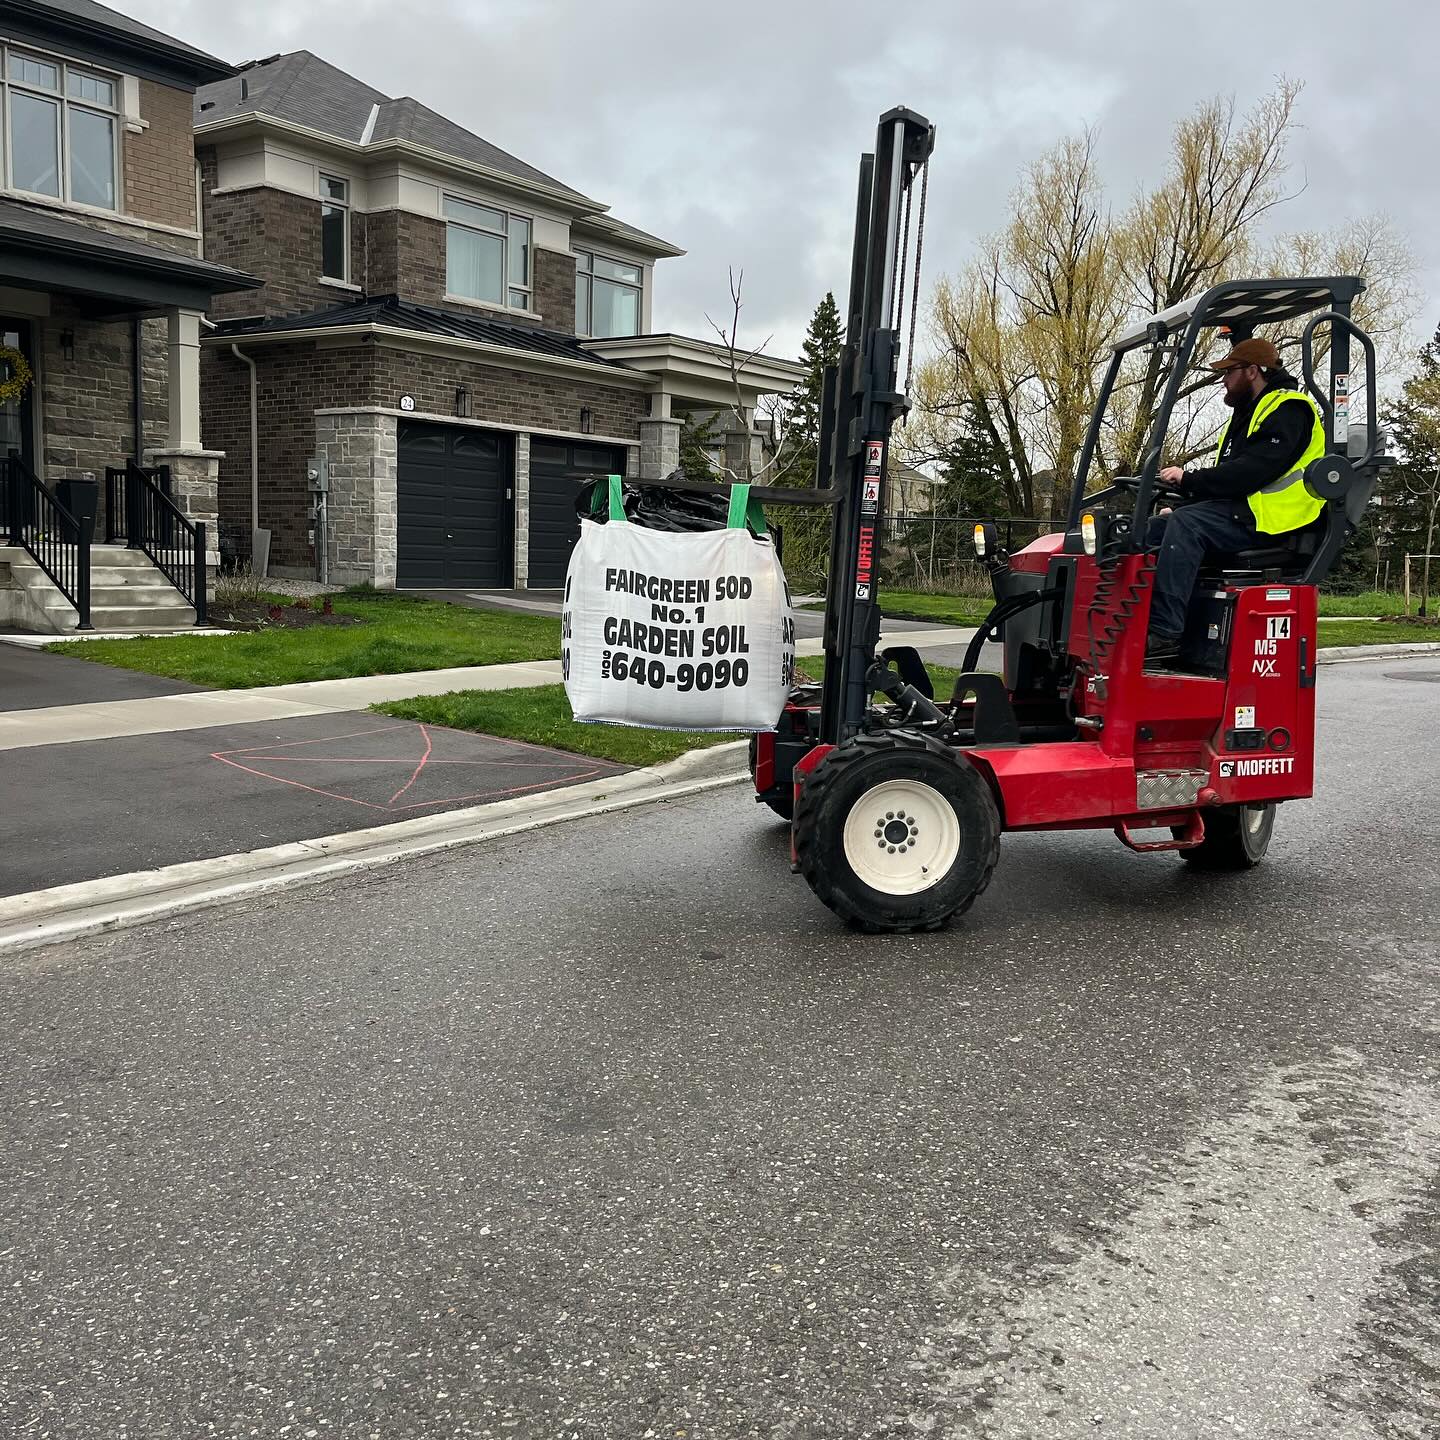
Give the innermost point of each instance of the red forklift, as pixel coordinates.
(898, 799)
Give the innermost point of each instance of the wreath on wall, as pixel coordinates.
(17, 380)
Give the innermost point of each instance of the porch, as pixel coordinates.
(107, 493)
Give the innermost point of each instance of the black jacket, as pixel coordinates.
(1250, 463)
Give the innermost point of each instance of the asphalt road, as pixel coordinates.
(91, 809)
(612, 1132)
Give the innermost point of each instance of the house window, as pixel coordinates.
(334, 228)
(607, 296)
(60, 130)
(487, 254)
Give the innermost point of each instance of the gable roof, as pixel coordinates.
(306, 90)
(92, 17)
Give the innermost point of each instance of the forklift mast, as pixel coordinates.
(860, 402)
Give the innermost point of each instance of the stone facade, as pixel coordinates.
(194, 488)
(360, 452)
(160, 160)
(659, 448)
(522, 511)
(87, 402)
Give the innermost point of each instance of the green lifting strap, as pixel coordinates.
(739, 506)
(617, 501)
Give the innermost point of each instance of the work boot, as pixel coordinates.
(1161, 647)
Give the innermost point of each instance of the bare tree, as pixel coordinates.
(1021, 335)
(736, 359)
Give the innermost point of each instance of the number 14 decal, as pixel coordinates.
(1277, 627)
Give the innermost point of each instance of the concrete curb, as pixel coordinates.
(1338, 654)
(68, 912)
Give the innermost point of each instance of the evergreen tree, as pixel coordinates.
(807, 531)
(821, 348)
(1410, 493)
(972, 476)
(697, 439)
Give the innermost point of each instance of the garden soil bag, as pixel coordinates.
(677, 630)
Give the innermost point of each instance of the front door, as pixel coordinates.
(17, 428)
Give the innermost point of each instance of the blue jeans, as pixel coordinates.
(1212, 529)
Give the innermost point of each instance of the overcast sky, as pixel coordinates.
(734, 129)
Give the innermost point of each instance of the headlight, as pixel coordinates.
(1087, 533)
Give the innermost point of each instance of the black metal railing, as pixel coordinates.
(154, 523)
(117, 511)
(58, 542)
(938, 551)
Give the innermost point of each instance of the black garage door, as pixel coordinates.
(557, 471)
(455, 500)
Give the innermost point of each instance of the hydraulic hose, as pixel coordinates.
(990, 628)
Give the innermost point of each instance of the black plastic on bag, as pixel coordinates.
(654, 507)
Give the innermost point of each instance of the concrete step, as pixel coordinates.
(119, 555)
(135, 617)
(131, 579)
(153, 597)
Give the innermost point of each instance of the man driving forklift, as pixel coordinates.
(1255, 487)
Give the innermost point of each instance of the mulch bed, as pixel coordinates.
(258, 615)
(1429, 622)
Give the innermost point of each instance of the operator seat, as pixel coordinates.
(1307, 556)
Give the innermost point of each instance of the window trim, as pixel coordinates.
(508, 286)
(343, 206)
(65, 103)
(589, 272)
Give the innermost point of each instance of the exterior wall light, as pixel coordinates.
(462, 403)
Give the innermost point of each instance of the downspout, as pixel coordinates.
(259, 547)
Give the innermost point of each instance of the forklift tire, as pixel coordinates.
(783, 804)
(896, 832)
(1236, 837)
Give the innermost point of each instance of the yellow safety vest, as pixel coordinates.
(1284, 504)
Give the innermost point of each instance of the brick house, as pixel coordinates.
(102, 293)
(447, 339)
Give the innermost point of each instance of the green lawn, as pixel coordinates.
(398, 633)
(542, 716)
(967, 611)
(1374, 632)
(919, 605)
(1372, 602)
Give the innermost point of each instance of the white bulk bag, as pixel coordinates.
(677, 631)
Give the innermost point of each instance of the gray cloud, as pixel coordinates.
(734, 131)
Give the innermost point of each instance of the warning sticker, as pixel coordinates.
(874, 456)
(1244, 717)
(870, 501)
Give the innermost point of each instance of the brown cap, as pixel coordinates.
(1249, 352)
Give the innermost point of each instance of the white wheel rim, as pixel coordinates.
(902, 837)
(1254, 819)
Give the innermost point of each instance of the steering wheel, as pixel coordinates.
(1131, 485)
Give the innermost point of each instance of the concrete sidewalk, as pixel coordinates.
(198, 710)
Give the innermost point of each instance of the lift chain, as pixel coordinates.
(919, 250)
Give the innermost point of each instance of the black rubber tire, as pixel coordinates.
(837, 785)
(782, 804)
(1231, 842)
